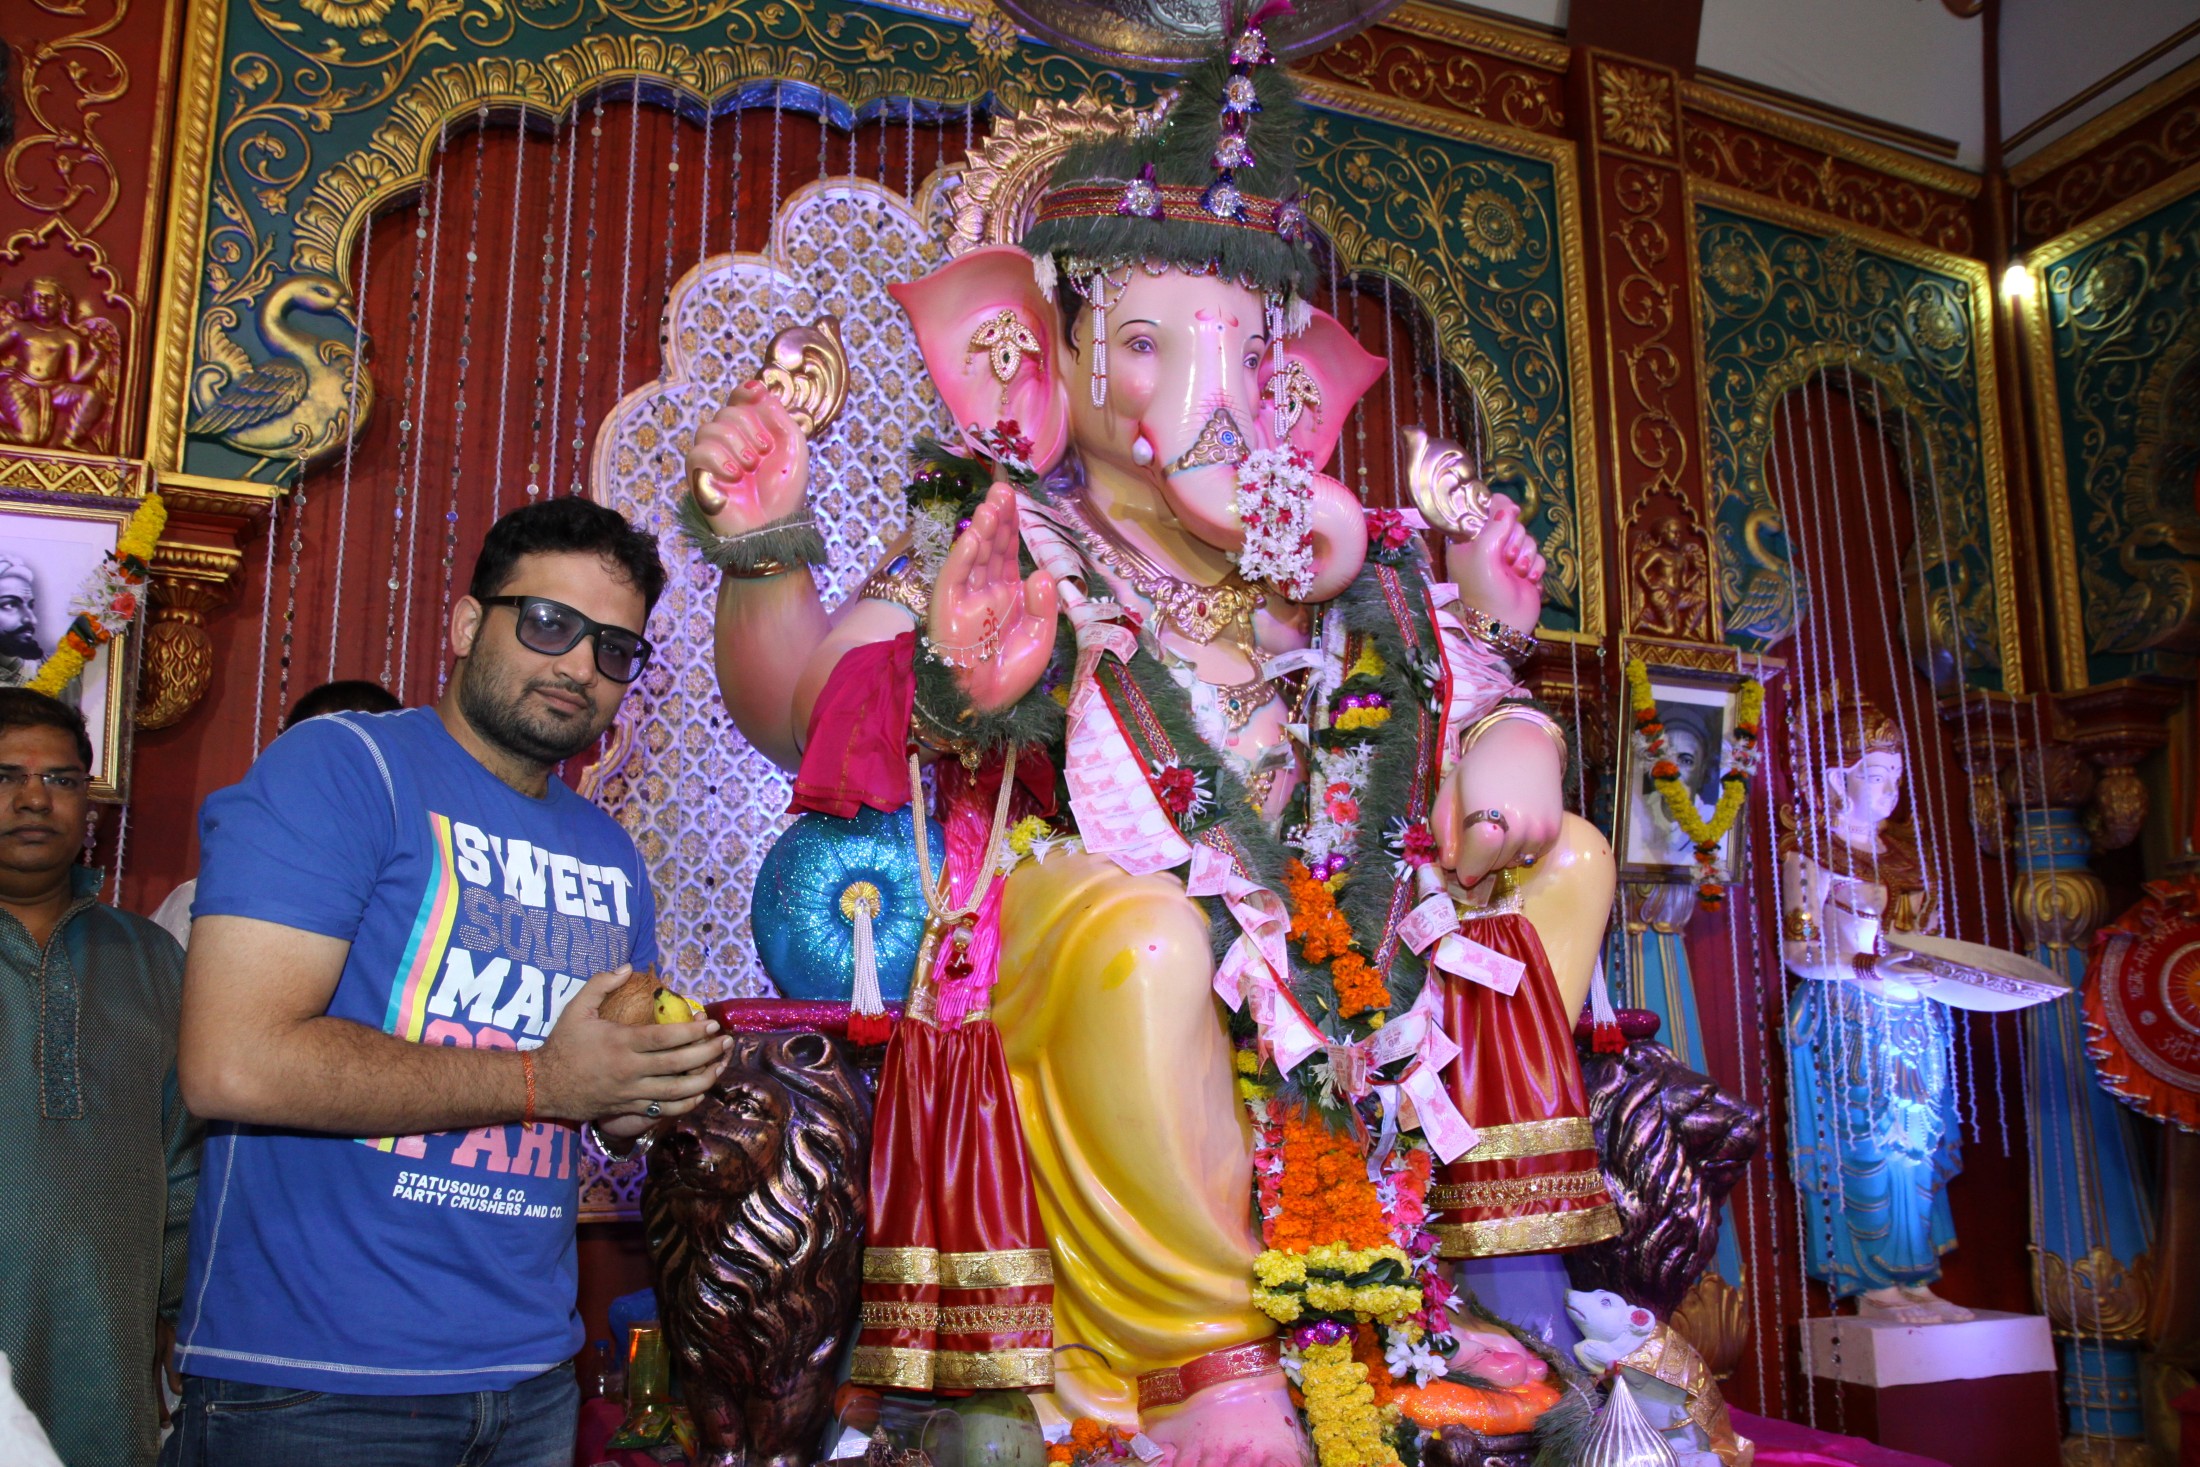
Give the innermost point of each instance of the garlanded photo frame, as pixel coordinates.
(52, 550)
(1700, 712)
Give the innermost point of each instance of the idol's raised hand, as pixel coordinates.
(1499, 572)
(989, 622)
(749, 465)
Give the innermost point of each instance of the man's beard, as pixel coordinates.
(22, 641)
(494, 703)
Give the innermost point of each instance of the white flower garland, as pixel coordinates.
(1275, 503)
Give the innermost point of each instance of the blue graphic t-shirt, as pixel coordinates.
(406, 1264)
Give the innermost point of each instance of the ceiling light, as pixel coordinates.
(2016, 282)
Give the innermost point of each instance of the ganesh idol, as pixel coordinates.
(1255, 923)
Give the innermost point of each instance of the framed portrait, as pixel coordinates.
(1698, 716)
(51, 546)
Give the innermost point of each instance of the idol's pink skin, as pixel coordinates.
(1492, 1355)
(1239, 1423)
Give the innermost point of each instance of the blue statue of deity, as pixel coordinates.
(1873, 1136)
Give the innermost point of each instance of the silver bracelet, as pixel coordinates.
(636, 1152)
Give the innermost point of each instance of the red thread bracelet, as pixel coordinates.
(527, 1068)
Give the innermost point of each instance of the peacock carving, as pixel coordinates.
(1762, 606)
(303, 402)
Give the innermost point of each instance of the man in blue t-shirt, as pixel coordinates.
(403, 930)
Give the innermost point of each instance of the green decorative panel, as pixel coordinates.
(1477, 236)
(1784, 301)
(2118, 315)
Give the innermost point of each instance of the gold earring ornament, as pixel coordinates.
(1005, 341)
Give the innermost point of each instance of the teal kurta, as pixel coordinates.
(102, 1164)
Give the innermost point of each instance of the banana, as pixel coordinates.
(673, 1009)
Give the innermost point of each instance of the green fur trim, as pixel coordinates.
(794, 540)
(1181, 154)
(1033, 721)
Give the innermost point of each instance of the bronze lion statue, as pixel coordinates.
(1672, 1145)
(754, 1213)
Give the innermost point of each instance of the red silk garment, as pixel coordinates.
(958, 1285)
(856, 751)
(1531, 1183)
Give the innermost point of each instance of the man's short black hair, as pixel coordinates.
(346, 695)
(568, 525)
(22, 708)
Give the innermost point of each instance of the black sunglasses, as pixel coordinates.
(554, 629)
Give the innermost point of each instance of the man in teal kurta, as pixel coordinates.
(101, 1159)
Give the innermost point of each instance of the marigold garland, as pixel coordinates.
(1324, 936)
(1665, 774)
(1341, 1414)
(108, 602)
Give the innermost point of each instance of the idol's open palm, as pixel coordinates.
(988, 621)
(749, 465)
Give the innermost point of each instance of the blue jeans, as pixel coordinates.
(224, 1423)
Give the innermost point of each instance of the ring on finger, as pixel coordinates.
(1491, 817)
(653, 1110)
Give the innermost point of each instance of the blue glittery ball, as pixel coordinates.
(804, 933)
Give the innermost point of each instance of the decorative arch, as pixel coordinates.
(1781, 301)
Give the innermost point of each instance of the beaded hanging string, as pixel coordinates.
(581, 375)
(626, 257)
(1764, 1090)
(511, 309)
(1931, 784)
(458, 403)
(1344, 467)
(1923, 748)
(539, 413)
(408, 415)
(733, 193)
(409, 522)
(1804, 760)
(1390, 385)
(771, 210)
(1418, 397)
(1746, 1012)
(908, 153)
(565, 290)
(1824, 578)
(1359, 408)
(267, 623)
(351, 444)
(672, 225)
(710, 162)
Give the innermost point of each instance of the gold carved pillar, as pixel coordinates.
(195, 567)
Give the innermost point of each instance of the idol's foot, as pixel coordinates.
(1895, 1306)
(1943, 1311)
(1494, 1356)
(1235, 1423)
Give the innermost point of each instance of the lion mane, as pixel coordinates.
(753, 1210)
(1671, 1145)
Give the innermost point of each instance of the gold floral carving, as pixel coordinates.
(1496, 88)
(2129, 148)
(2119, 809)
(998, 196)
(1635, 109)
(1714, 1318)
(69, 473)
(61, 362)
(178, 661)
(2097, 1297)
(2059, 908)
(1537, 1234)
(1742, 158)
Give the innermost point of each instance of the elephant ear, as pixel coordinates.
(1340, 371)
(957, 311)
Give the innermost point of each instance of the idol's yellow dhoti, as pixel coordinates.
(1140, 1151)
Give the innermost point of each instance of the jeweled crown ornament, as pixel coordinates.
(1212, 186)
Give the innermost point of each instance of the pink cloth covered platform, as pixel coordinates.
(1785, 1444)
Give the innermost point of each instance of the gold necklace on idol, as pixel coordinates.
(1201, 613)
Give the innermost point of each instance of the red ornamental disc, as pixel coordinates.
(2142, 1004)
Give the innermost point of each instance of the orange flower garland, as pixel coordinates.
(1324, 1196)
(1324, 936)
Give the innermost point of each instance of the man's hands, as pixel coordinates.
(990, 622)
(750, 464)
(591, 1069)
